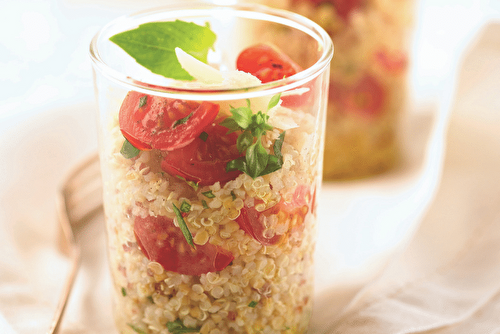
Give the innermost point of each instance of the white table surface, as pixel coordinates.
(47, 125)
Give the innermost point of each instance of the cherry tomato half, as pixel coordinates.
(149, 121)
(204, 160)
(292, 213)
(268, 63)
(161, 241)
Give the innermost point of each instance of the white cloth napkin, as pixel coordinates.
(448, 278)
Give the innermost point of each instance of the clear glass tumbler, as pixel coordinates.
(210, 185)
(368, 80)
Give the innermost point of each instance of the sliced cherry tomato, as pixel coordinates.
(161, 241)
(366, 97)
(268, 63)
(204, 160)
(149, 121)
(343, 7)
(253, 222)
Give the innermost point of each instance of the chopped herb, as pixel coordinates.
(185, 206)
(233, 195)
(204, 136)
(183, 226)
(128, 150)
(182, 120)
(124, 292)
(209, 194)
(136, 329)
(204, 203)
(153, 44)
(253, 303)
(142, 101)
(256, 161)
(192, 184)
(177, 327)
(150, 298)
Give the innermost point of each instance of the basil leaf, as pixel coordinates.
(177, 327)
(244, 141)
(185, 207)
(230, 124)
(278, 144)
(237, 164)
(182, 225)
(128, 150)
(142, 101)
(204, 203)
(253, 303)
(182, 120)
(153, 44)
(274, 101)
(136, 329)
(208, 194)
(242, 116)
(273, 164)
(203, 136)
(257, 158)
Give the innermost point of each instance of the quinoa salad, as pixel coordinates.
(198, 241)
(368, 80)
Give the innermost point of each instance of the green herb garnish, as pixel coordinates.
(182, 120)
(185, 207)
(192, 184)
(257, 161)
(124, 292)
(177, 327)
(233, 195)
(150, 298)
(208, 194)
(128, 150)
(153, 44)
(204, 203)
(182, 225)
(204, 136)
(136, 329)
(253, 303)
(142, 101)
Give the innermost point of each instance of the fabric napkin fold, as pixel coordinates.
(448, 278)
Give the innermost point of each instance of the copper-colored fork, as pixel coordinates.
(79, 200)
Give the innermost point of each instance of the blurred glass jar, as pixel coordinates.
(368, 80)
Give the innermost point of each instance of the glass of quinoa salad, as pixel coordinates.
(368, 80)
(211, 147)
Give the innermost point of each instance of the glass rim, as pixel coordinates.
(264, 13)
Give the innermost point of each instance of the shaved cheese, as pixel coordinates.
(198, 69)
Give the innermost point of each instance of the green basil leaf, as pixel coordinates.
(230, 124)
(242, 116)
(274, 101)
(278, 144)
(128, 150)
(177, 327)
(142, 101)
(208, 194)
(253, 303)
(244, 141)
(185, 207)
(237, 164)
(273, 164)
(257, 158)
(136, 329)
(182, 120)
(182, 225)
(203, 136)
(204, 203)
(153, 44)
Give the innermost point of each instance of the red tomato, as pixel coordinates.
(149, 121)
(252, 221)
(161, 241)
(343, 7)
(366, 97)
(204, 161)
(392, 62)
(268, 63)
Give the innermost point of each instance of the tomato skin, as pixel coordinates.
(394, 63)
(149, 121)
(268, 63)
(204, 161)
(251, 221)
(161, 241)
(366, 97)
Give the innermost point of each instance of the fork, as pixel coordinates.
(79, 200)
